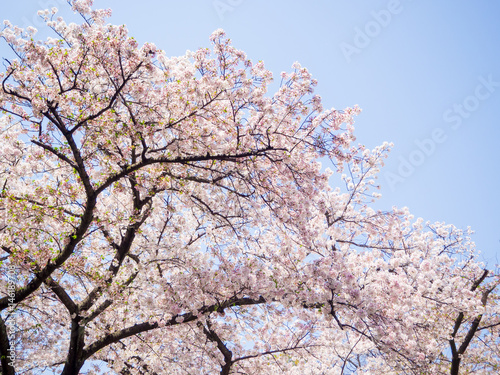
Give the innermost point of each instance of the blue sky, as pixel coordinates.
(425, 73)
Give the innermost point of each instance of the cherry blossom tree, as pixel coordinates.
(169, 216)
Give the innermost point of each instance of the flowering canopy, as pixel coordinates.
(167, 215)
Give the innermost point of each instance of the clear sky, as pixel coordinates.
(425, 73)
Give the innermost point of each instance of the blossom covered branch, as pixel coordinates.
(168, 213)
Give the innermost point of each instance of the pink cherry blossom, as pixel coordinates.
(166, 215)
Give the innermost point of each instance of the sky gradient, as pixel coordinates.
(425, 73)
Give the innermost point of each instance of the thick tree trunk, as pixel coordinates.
(74, 361)
(455, 365)
(5, 353)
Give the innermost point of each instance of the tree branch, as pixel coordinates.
(228, 354)
(176, 320)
